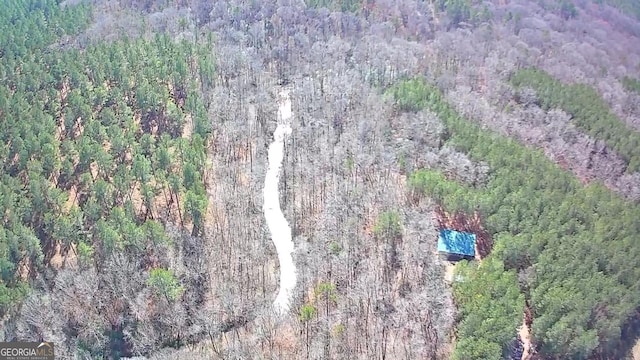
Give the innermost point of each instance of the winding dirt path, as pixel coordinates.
(277, 223)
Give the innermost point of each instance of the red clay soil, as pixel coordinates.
(462, 222)
(528, 316)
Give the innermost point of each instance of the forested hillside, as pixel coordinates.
(134, 151)
(569, 244)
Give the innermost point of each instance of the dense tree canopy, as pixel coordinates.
(590, 113)
(627, 6)
(571, 243)
(81, 126)
(490, 312)
(134, 138)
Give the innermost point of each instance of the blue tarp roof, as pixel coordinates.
(456, 242)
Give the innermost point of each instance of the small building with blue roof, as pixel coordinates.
(456, 245)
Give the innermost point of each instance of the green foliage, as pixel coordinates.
(349, 163)
(32, 25)
(451, 194)
(568, 9)
(165, 284)
(631, 84)
(590, 113)
(388, 225)
(338, 330)
(476, 348)
(464, 11)
(564, 8)
(574, 241)
(326, 290)
(121, 140)
(410, 95)
(307, 312)
(206, 67)
(155, 232)
(336, 5)
(491, 308)
(10, 295)
(85, 253)
(625, 6)
(458, 10)
(335, 248)
(195, 208)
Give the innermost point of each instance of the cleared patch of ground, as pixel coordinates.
(67, 259)
(187, 129)
(72, 200)
(24, 268)
(525, 337)
(448, 271)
